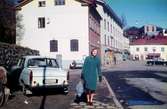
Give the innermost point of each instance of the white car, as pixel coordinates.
(76, 64)
(41, 72)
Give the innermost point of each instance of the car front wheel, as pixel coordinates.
(65, 90)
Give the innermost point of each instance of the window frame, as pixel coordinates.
(105, 39)
(74, 45)
(137, 49)
(53, 45)
(43, 3)
(105, 24)
(59, 2)
(41, 22)
(145, 49)
(162, 49)
(108, 26)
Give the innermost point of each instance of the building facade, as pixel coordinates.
(165, 32)
(113, 42)
(65, 29)
(149, 48)
(150, 28)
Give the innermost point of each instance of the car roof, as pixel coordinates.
(36, 56)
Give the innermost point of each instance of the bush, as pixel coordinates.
(10, 54)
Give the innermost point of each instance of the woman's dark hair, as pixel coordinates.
(93, 50)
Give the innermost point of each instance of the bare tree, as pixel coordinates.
(7, 22)
(19, 28)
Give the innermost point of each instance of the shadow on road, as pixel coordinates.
(42, 106)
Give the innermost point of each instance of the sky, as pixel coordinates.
(141, 12)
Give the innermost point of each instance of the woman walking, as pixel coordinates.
(91, 72)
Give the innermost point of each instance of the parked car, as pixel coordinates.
(156, 61)
(4, 91)
(41, 72)
(76, 65)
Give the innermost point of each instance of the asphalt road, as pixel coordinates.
(137, 85)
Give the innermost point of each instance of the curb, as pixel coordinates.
(117, 103)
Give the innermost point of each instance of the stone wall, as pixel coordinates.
(10, 54)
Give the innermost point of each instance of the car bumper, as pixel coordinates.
(47, 87)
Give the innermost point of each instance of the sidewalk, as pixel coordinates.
(104, 98)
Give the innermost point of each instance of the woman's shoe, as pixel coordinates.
(91, 103)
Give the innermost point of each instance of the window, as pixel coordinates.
(165, 31)
(111, 28)
(41, 3)
(154, 49)
(145, 49)
(162, 49)
(105, 24)
(53, 46)
(152, 29)
(105, 40)
(137, 49)
(21, 62)
(147, 28)
(41, 22)
(108, 40)
(52, 63)
(59, 2)
(36, 62)
(111, 40)
(74, 45)
(90, 21)
(108, 28)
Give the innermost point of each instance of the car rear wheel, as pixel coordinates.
(2, 95)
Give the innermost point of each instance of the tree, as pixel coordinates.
(7, 22)
(19, 28)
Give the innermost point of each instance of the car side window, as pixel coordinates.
(52, 63)
(21, 62)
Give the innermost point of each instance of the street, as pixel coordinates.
(54, 99)
(135, 85)
(138, 86)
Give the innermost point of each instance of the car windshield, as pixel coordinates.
(41, 62)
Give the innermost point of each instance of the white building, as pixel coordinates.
(147, 48)
(66, 29)
(165, 32)
(150, 28)
(113, 43)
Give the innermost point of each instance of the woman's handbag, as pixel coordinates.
(80, 92)
(80, 88)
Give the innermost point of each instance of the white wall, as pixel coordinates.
(63, 23)
(150, 50)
